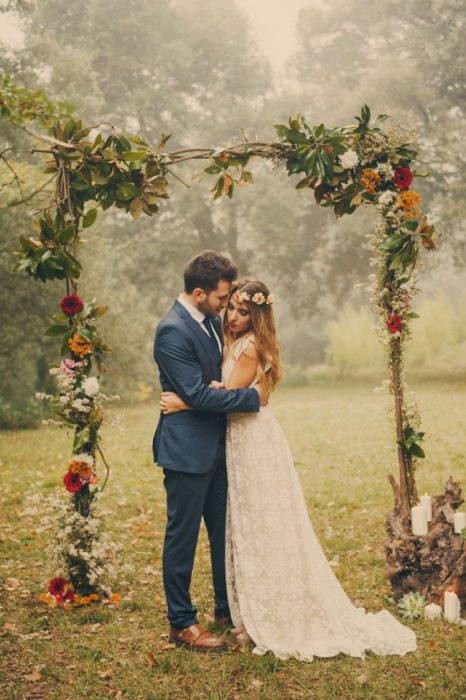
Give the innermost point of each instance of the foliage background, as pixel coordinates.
(193, 68)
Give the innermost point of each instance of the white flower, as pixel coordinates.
(84, 457)
(91, 386)
(385, 170)
(387, 197)
(349, 159)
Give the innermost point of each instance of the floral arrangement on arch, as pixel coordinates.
(78, 547)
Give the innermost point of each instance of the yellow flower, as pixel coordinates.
(79, 345)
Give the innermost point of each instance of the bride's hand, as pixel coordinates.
(172, 403)
(216, 385)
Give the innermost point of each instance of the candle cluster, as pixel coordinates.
(421, 515)
(451, 608)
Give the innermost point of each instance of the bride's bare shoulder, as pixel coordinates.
(250, 349)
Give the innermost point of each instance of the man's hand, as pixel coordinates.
(216, 385)
(172, 403)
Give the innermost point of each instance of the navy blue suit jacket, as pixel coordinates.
(188, 361)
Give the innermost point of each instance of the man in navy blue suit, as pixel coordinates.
(190, 445)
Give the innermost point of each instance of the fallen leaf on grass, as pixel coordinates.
(362, 679)
(256, 683)
(12, 583)
(432, 644)
(34, 676)
(151, 660)
(104, 674)
(10, 627)
(150, 571)
(168, 646)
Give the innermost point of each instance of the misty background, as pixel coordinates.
(210, 71)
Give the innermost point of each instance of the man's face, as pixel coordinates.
(212, 303)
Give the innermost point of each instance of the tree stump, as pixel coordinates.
(429, 564)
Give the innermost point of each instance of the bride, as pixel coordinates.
(282, 592)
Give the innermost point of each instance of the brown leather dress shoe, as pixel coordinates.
(196, 638)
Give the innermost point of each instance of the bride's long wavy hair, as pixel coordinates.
(262, 327)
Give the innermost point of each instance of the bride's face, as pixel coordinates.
(238, 316)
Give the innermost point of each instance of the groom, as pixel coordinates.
(190, 445)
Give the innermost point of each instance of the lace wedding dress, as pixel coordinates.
(281, 587)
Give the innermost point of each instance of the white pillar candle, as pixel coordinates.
(432, 611)
(451, 606)
(459, 522)
(419, 520)
(426, 502)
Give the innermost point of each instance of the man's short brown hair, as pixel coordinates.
(206, 270)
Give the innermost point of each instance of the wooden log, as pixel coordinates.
(429, 564)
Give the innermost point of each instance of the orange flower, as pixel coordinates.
(84, 470)
(370, 179)
(85, 599)
(115, 598)
(79, 345)
(408, 201)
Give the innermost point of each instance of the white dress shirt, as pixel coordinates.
(199, 317)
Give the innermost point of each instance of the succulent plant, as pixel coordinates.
(411, 606)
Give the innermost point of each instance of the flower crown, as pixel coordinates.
(257, 298)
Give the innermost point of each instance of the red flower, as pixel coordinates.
(73, 482)
(57, 586)
(71, 305)
(394, 323)
(402, 178)
(69, 595)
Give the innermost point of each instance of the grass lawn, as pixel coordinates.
(343, 446)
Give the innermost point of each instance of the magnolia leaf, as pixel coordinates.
(134, 155)
(136, 208)
(295, 136)
(246, 178)
(227, 184)
(56, 330)
(89, 218)
(127, 190)
(302, 184)
(99, 311)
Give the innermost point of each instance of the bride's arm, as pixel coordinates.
(245, 369)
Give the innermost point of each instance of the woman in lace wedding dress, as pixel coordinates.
(281, 589)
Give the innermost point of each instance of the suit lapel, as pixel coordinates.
(202, 336)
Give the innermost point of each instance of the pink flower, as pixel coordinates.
(67, 366)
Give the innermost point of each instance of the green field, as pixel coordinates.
(342, 442)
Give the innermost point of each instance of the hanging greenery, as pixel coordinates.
(96, 167)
